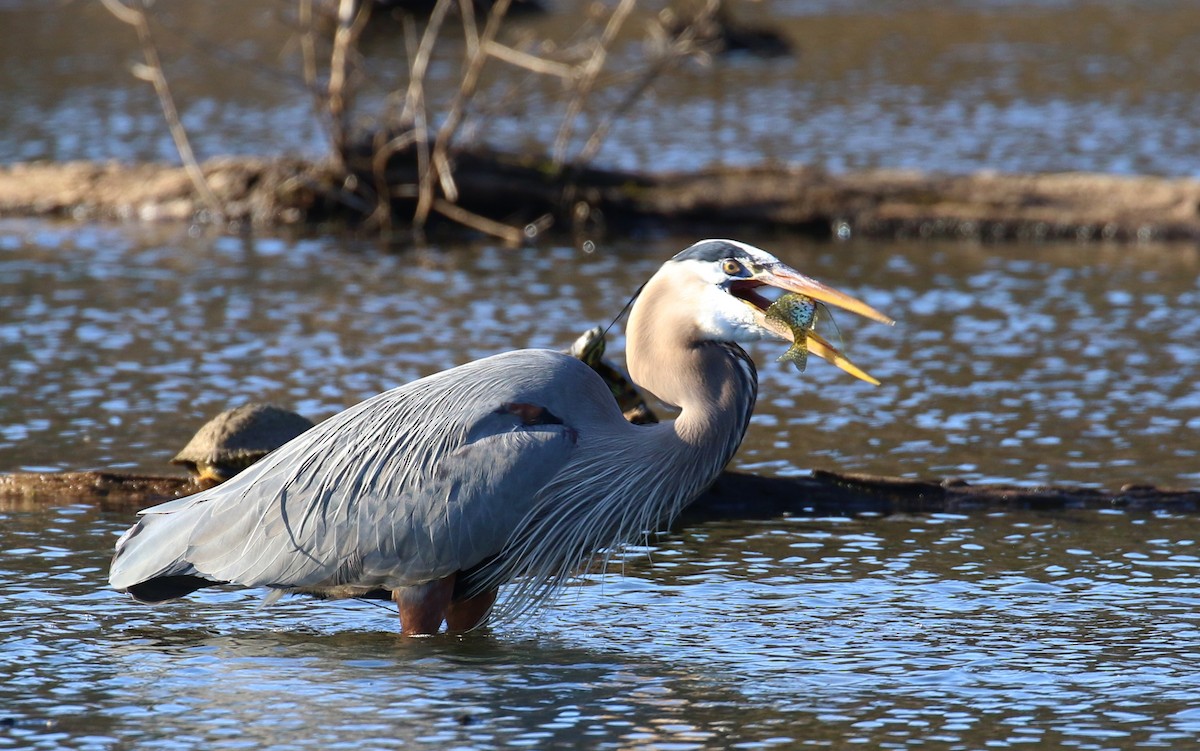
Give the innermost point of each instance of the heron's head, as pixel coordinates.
(726, 287)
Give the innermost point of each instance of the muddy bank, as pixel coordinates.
(260, 192)
(515, 190)
(735, 495)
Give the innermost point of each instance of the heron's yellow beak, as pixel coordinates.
(818, 346)
(790, 280)
(782, 277)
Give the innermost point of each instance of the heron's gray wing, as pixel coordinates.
(408, 486)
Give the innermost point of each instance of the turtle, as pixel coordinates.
(236, 438)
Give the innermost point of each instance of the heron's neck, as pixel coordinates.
(713, 383)
(718, 387)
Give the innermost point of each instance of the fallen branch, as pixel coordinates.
(735, 495)
(516, 191)
(512, 236)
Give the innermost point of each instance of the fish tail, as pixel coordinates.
(795, 354)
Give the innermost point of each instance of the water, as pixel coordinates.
(1005, 630)
(1039, 85)
(1015, 363)
(1020, 363)
(1026, 364)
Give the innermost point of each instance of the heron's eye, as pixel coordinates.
(732, 267)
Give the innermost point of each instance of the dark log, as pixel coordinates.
(109, 491)
(735, 495)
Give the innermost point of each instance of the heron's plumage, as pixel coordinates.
(411, 485)
(513, 468)
(625, 486)
(712, 251)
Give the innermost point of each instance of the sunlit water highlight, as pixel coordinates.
(1038, 85)
(1006, 630)
(1017, 363)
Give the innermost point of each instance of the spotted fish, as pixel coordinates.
(799, 313)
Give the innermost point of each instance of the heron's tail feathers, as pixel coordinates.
(149, 563)
(166, 588)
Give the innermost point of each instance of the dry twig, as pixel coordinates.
(417, 98)
(351, 19)
(152, 72)
(532, 63)
(511, 235)
(446, 133)
(587, 79)
(308, 54)
(681, 47)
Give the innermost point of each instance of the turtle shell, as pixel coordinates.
(236, 438)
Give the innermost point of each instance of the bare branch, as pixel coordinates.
(414, 111)
(124, 14)
(683, 46)
(466, 9)
(529, 62)
(351, 19)
(308, 48)
(153, 72)
(414, 105)
(419, 63)
(446, 133)
(511, 235)
(588, 78)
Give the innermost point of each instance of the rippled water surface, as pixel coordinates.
(1028, 364)
(1016, 363)
(999, 631)
(1031, 364)
(965, 85)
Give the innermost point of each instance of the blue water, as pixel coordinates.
(1002, 630)
(1022, 364)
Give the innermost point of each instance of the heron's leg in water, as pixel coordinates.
(423, 606)
(464, 615)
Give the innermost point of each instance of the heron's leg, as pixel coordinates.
(423, 606)
(466, 614)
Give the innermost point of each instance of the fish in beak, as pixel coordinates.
(782, 277)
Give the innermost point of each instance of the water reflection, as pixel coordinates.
(392, 692)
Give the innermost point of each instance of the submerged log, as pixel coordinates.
(512, 189)
(735, 495)
(108, 491)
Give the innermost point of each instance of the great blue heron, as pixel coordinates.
(514, 468)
